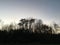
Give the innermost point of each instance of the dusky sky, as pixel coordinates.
(14, 10)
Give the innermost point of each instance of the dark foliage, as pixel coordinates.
(25, 36)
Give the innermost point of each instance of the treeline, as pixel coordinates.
(35, 25)
(28, 30)
(31, 24)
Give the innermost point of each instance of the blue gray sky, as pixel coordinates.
(14, 10)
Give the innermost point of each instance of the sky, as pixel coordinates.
(14, 10)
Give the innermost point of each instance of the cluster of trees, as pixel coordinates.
(32, 25)
(28, 30)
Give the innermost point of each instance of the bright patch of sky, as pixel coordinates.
(14, 10)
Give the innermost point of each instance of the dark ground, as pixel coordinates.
(27, 44)
(19, 37)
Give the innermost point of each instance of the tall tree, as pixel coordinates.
(27, 23)
(30, 22)
(23, 22)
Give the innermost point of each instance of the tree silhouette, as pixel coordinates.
(23, 22)
(37, 32)
(30, 22)
(36, 26)
(46, 29)
(26, 24)
(20, 25)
